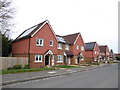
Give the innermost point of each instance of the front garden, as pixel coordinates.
(20, 69)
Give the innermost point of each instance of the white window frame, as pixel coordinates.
(77, 47)
(39, 42)
(95, 52)
(107, 53)
(52, 43)
(82, 48)
(59, 45)
(95, 59)
(66, 47)
(59, 58)
(39, 60)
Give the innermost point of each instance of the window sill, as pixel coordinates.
(38, 61)
(59, 61)
(60, 48)
(66, 49)
(82, 59)
(39, 45)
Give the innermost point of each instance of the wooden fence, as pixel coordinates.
(6, 62)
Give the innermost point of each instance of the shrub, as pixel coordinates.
(17, 67)
(9, 68)
(117, 58)
(26, 66)
(95, 63)
(90, 62)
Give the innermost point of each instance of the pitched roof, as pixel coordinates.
(103, 48)
(71, 38)
(117, 55)
(32, 31)
(69, 53)
(60, 39)
(89, 46)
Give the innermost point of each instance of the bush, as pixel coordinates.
(9, 68)
(90, 62)
(117, 58)
(17, 67)
(95, 63)
(26, 66)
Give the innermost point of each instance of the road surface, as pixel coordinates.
(105, 77)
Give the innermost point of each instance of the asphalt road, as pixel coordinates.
(105, 77)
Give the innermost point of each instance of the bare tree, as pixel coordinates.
(6, 15)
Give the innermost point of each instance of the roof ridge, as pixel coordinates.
(27, 30)
(59, 35)
(71, 34)
(90, 42)
(36, 24)
(103, 45)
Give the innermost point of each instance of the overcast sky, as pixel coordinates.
(96, 20)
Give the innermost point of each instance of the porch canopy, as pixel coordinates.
(68, 53)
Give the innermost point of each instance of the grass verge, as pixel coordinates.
(67, 66)
(2, 72)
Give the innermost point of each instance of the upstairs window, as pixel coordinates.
(59, 45)
(82, 48)
(77, 47)
(67, 47)
(107, 53)
(95, 52)
(51, 43)
(39, 42)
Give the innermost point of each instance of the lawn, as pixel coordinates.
(24, 70)
(67, 66)
(38, 69)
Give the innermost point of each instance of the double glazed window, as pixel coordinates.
(59, 58)
(77, 47)
(82, 48)
(38, 58)
(39, 42)
(59, 45)
(51, 43)
(67, 47)
(95, 52)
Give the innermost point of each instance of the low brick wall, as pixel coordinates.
(6, 62)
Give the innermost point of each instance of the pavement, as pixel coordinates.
(28, 76)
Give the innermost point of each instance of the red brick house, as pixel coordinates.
(92, 52)
(71, 48)
(104, 53)
(44, 48)
(39, 43)
(117, 55)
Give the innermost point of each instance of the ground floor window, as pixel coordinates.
(59, 58)
(95, 59)
(82, 58)
(38, 58)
